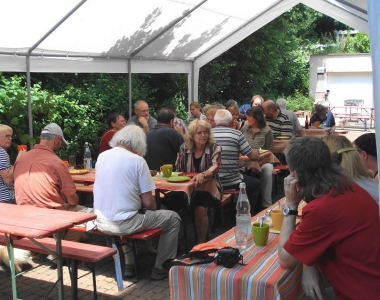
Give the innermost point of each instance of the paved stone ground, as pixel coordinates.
(36, 282)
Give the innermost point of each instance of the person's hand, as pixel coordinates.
(198, 179)
(143, 121)
(311, 282)
(236, 124)
(292, 190)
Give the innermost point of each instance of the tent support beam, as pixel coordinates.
(129, 88)
(166, 28)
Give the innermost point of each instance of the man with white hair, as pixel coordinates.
(281, 104)
(123, 199)
(142, 117)
(233, 144)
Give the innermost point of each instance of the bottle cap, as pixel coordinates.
(242, 185)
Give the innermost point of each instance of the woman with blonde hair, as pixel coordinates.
(344, 154)
(236, 124)
(199, 154)
(7, 191)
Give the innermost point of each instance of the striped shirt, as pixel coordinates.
(7, 192)
(178, 122)
(233, 143)
(281, 125)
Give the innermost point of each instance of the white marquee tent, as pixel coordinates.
(152, 36)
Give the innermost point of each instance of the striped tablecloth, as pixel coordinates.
(267, 157)
(261, 278)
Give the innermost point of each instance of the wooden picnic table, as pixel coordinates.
(255, 165)
(19, 221)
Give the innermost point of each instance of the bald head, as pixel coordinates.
(270, 109)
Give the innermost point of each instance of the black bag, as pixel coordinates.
(227, 257)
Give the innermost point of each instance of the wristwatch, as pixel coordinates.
(204, 174)
(287, 211)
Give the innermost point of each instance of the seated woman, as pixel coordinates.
(7, 191)
(236, 124)
(198, 154)
(324, 116)
(344, 154)
(196, 112)
(259, 135)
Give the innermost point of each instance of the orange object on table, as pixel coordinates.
(22, 148)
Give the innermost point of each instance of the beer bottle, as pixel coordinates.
(306, 123)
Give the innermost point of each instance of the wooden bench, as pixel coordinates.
(70, 250)
(117, 241)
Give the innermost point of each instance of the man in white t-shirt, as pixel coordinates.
(123, 198)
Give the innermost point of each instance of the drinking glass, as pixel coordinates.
(240, 238)
(72, 161)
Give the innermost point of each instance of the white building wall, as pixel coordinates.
(348, 76)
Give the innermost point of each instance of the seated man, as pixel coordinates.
(163, 142)
(366, 145)
(123, 199)
(339, 232)
(142, 117)
(281, 104)
(233, 144)
(42, 178)
(277, 120)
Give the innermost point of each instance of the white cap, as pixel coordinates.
(242, 185)
(53, 128)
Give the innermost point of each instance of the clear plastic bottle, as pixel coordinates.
(243, 212)
(87, 157)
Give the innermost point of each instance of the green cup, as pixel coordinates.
(166, 170)
(260, 234)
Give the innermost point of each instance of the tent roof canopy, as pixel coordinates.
(168, 35)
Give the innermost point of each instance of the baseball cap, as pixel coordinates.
(367, 143)
(53, 128)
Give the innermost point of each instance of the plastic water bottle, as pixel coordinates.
(87, 157)
(243, 212)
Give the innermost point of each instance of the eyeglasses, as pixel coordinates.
(7, 136)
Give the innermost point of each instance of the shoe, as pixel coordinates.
(158, 274)
(129, 271)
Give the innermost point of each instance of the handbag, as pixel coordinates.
(227, 257)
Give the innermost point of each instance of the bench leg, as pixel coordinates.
(94, 281)
(119, 260)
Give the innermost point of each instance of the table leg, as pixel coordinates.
(157, 198)
(10, 248)
(58, 238)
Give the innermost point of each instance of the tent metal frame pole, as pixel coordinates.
(28, 80)
(129, 88)
(167, 27)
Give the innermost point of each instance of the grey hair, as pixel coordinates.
(4, 128)
(131, 136)
(47, 136)
(222, 117)
(138, 103)
(281, 103)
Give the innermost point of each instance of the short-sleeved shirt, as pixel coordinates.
(135, 120)
(163, 145)
(341, 235)
(42, 179)
(121, 176)
(262, 138)
(281, 125)
(7, 192)
(328, 121)
(244, 108)
(233, 143)
(294, 120)
(105, 139)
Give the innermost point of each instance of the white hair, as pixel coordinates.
(222, 117)
(281, 103)
(131, 136)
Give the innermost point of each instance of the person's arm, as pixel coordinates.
(148, 200)
(293, 198)
(7, 174)
(144, 123)
(254, 154)
(72, 200)
(269, 143)
(311, 282)
(213, 169)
